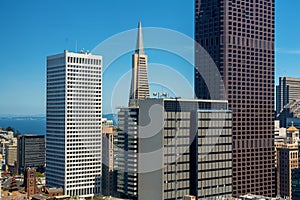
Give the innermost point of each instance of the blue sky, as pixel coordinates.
(31, 30)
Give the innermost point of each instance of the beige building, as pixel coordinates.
(108, 131)
(11, 154)
(279, 132)
(189, 197)
(108, 152)
(292, 135)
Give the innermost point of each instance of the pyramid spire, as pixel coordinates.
(139, 83)
(139, 43)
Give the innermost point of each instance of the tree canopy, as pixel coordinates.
(9, 128)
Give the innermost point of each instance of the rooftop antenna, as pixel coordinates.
(76, 46)
(67, 41)
(160, 95)
(284, 73)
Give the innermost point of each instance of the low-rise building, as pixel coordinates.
(52, 192)
(292, 135)
(279, 132)
(38, 197)
(11, 157)
(189, 197)
(31, 152)
(108, 174)
(257, 197)
(287, 158)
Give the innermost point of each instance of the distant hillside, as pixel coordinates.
(23, 117)
(113, 117)
(11, 116)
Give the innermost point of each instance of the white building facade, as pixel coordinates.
(73, 127)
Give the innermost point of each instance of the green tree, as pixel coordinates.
(38, 174)
(17, 133)
(9, 128)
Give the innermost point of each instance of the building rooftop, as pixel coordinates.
(292, 128)
(257, 197)
(38, 197)
(54, 190)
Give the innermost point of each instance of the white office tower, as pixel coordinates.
(73, 138)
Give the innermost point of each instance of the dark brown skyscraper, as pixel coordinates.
(239, 37)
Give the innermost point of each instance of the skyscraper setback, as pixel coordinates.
(239, 37)
(73, 127)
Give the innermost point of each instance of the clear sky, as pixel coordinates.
(32, 30)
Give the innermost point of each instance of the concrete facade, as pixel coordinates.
(157, 155)
(73, 132)
(126, 153)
